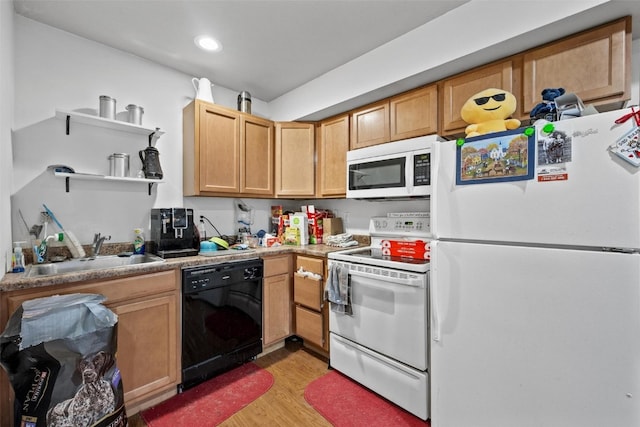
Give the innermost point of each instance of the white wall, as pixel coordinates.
(6, 118)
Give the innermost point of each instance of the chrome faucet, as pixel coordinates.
(97, 244)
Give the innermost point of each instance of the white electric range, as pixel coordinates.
(383, 343)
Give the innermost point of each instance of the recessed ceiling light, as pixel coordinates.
(208, 43)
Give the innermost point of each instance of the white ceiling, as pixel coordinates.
(271, 47)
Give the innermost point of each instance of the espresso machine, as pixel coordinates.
(173, 232)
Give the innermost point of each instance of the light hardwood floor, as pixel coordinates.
(293, 367)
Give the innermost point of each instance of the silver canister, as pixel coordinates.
(119, 164)
(107, 107)
(244, 102)
(134, 114)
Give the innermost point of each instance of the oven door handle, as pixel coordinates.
(406, 281)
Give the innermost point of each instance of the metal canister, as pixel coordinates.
(134, 114)
(119, 164)
(107, 107)
(244, 102)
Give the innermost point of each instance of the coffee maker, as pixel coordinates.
(173, 232)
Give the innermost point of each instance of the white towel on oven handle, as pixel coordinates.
(338, 289)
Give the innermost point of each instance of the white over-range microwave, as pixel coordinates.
(400, 169)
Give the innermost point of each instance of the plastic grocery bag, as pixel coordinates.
(59, 353)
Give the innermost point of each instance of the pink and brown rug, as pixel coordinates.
(345, 403)
(212, 402)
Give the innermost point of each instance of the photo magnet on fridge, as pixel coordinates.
(496, 157)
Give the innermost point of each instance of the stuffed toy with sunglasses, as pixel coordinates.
(489, 111)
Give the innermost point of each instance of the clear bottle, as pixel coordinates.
(18, 259)
(138, 242)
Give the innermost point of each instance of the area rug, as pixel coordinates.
(212, 402)
(345, 403)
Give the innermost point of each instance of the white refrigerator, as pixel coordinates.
(535, 286)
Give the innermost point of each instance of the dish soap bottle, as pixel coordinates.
(138, 242)
(18, 258)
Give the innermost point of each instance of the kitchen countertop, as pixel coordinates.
(17, 281)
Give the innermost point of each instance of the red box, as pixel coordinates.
(418, 249)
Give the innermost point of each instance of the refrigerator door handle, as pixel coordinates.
(433, 298)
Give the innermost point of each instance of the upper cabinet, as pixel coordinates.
(295, 160)
(256, 155)
(457, 90)
(225, 152)
(410, 114)
(595, 65)
(370, 125)
(414, 113)
(332, 147)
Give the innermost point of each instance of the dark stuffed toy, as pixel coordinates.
(547, 108)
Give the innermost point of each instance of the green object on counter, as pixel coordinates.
(220, 242)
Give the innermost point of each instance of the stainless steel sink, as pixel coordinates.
(86, 264)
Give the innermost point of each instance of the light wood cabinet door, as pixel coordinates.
(295, 160)
(308, 291)
(333, 144)
(256, 155)
(457, 90)
(414, 113)
(370, 125)
(211, 149)
(595, 65)
(277, 321)
(309, 326)
(147, 339)
(276, 308)
(219, 136)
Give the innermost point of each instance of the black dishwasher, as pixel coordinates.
(221, 318)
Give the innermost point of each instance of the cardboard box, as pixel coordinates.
(418, 249)
(300, 221)
(332, 226)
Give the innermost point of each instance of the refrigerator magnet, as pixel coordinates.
(496, 157)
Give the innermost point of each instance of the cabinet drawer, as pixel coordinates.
(307, 291)
(309, 325)
(314, 265)
(274, 266)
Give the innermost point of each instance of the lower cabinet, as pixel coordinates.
(148, 356)
(311, 316)
(276, 299)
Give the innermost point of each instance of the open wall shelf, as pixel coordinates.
(152, 133)
(94, 177)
